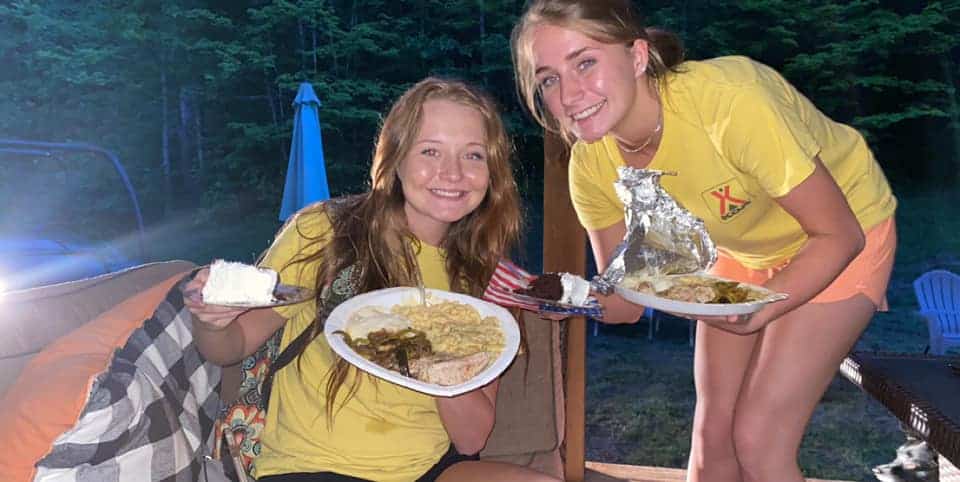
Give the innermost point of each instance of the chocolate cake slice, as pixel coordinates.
(546, 287)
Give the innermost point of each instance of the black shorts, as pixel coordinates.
(448, 459)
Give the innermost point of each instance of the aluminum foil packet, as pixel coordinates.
(662, 237)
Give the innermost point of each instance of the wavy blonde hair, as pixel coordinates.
(370, 231)
(607, 21)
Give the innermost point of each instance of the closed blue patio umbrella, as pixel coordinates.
(306, 173)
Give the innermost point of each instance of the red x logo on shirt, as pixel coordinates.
(726, 199)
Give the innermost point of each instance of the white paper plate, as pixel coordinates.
(393, 296)
(701, 309)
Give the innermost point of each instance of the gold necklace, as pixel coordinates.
(646, 142)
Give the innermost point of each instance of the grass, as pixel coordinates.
(640, 401)
(639, 398)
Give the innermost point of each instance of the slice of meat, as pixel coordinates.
(690, 294)
(443, 370)
(704, 294)
(679, 293)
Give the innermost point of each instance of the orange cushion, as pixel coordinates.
(48, 396)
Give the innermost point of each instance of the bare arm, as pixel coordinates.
(469, 418)
(603, 241)
(227, 335)
(834, 239)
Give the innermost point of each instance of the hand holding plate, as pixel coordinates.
(212, 317)
(743, 324)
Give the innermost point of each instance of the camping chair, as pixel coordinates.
(938, 294)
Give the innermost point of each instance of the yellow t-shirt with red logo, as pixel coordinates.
(385, 432)
(738, 135)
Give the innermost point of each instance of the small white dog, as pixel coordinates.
(915, 462)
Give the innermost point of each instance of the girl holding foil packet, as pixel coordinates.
(795, 202)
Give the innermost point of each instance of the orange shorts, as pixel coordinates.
(868, 273)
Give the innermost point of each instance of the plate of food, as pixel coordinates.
(239, 285)
(451, 345)
(696, 294)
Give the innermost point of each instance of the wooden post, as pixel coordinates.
(565, 249)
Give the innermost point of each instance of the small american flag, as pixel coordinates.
(506, 279)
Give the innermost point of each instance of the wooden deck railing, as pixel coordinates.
(599, 472)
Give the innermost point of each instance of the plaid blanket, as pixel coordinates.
(149, 416)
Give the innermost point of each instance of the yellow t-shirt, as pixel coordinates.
(384, 433)
(738, 135)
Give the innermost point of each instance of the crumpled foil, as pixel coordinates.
(662, 237)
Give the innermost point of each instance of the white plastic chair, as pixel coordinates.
(938, 294)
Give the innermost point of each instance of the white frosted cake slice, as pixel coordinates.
(576, 290)
(238, 283)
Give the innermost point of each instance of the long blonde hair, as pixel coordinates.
(370, 232)
(607, 21)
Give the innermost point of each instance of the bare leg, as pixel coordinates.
(798, 356)
(481, 471)
(720, 365)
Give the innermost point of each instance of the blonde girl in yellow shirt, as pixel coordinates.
(442, 209)
(794, 201)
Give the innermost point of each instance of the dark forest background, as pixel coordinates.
(195, 95)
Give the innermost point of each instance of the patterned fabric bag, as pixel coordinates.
(241, 424)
